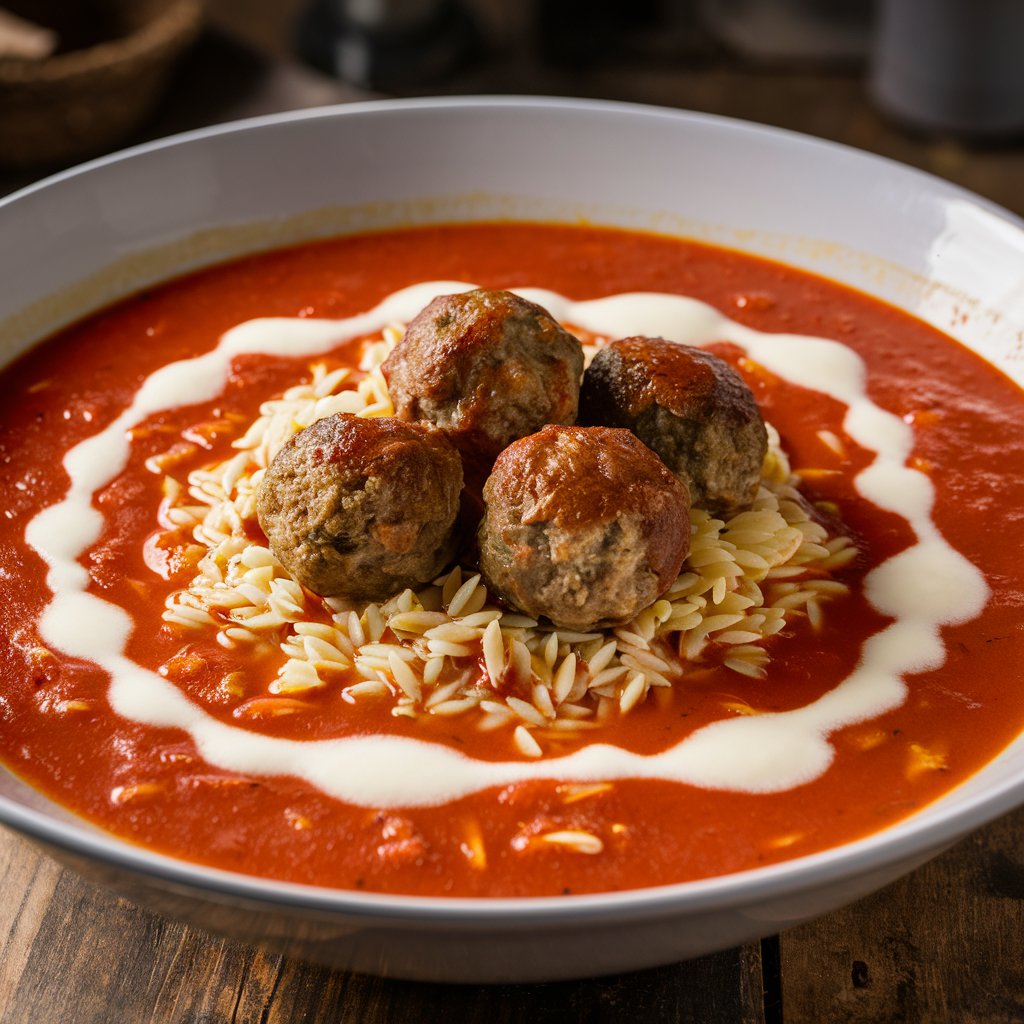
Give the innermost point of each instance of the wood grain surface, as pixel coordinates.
(945, 944)
(942, 945)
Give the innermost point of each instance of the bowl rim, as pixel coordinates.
(568, 104)
(911, 839)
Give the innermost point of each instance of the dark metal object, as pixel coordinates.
(388, 44)
(950, 67)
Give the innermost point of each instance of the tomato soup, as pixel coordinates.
(828, 662)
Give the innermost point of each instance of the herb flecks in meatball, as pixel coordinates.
(487, 367)
(362, 508)
(585, 526)
(689, 406)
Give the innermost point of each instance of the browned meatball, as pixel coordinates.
(688, 405)
(362, 508)
(486, 367)
(583, 525)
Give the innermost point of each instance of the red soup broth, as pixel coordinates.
(150, 785)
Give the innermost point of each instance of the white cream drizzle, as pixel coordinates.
(922, 588)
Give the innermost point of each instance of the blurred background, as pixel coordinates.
(934, 83)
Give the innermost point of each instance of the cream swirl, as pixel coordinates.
(922, 588)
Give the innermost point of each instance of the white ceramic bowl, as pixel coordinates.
(94, 234)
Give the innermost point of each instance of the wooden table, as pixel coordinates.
(945, 944)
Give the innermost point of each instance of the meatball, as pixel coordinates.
(486, 367)
(583, 525)
(689, 406)
(362, 508)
